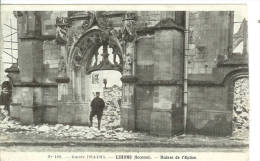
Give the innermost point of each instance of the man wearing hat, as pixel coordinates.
(97, 106)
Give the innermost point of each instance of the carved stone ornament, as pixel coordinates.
(74, 38)
(62, 76)
(62, 67)
(104, 39)
(102, 20)
(115, 53)
(62, 25)
(128, 64)
(18, 14)
(105, 63)
(89, 20)
(97, 18)
(129, 31)
(129, 79)
(63, 79)
(118, 34)
(77, 58)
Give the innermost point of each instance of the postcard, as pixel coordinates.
(124, 82)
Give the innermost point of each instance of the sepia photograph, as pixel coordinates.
(124, 80)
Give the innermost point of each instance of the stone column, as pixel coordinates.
(167, 113)
(61, 39)
(28, 93)
(128, 112)
(65, 112)
(63, 83)
(62, 78)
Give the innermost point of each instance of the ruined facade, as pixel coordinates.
(177, 68)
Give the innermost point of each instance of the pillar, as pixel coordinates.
(128, 112)
(27, 90)
(65, 112)
(167, 112)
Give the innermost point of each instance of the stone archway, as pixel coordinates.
(87, 46)
(83, 59)
(76, 65)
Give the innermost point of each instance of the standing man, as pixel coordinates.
(6, 94)
(97, 106)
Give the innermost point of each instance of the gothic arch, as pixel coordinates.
(83, 59)
(85, 48)
(76, 90)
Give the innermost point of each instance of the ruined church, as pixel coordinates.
(178, 68)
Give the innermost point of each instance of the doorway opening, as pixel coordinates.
(240, 119)
(108, 83)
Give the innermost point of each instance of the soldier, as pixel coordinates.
(6, 94)
(97, 106)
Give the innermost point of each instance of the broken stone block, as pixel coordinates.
(43, 128)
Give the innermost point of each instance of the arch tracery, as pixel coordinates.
(86, 50)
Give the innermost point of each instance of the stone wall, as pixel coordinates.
(51, 55)
(144, 107)
(148, 19)
(159, 92)
(208, 110)
(159, 68)
(209, 106)
(168, 55)
(145, 58)
(34, 97)
(209, 36)
(153, 95)
(30, 60)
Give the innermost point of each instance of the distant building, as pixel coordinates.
(96, 84)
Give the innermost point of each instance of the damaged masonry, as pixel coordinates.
(181, 72)
(111, 129)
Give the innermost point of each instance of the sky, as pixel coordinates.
(238, 18)
(112, 76)
(8, 18)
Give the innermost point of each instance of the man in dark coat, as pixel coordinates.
(97, 106)
(6, 95)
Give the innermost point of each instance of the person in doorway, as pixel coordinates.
(97, 107)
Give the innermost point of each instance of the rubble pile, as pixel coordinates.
(111, 115)
(241, 108)
(112, 95)
(63, 131)
(110, 125)
(6, 123)
(110, 128)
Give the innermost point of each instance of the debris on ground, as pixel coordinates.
(111, 115)
(241, 108)
(110, 128)
(110, 125)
